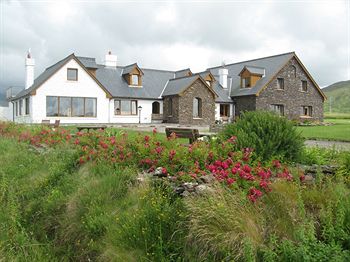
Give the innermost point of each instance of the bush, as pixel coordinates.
(268, 134)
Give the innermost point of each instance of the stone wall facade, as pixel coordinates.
(292, 97)
(183, 106)
(244, 103)
(171, 117)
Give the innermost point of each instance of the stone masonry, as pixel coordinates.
(291, 96)
(183, 106)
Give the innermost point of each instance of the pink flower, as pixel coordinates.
(77, 141)
(276, 163)
(164, 171)
(154, 131)
(147, 139)
(159, 150)
(232, 139)
(172, 153)
(247, 168)
(254, 194)
(230, 181)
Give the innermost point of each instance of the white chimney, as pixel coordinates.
(223, 72)
(110, 60)
(29, 64)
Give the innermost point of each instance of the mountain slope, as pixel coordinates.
(338, 95)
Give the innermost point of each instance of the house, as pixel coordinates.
(79, 90)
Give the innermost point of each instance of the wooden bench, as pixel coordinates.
(191, 134)
(80, 128)
(47, 123)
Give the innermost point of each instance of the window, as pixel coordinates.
(155, 108)
(197, 107)
(20, 106)
(279, 109)
(303, 86)
(125, 107)
(170, 106)
(224, 110)
(72, 74)
(16, 108)
(246, 82)
(26, 102)
(135, 80)
(71, 106)
(280, 83)
(306, 111)
(208, 82)
(78, 106)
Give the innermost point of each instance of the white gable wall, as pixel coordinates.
(58, 85)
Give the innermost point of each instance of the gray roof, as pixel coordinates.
(255, 70)
(271, 64)
(183, 72)
(128, 69)
(88, 62)
(157, 83)
(153, 82)
(177, 85)
(43, 77)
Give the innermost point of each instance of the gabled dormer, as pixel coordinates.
(183, 73)
(208, 78)
(250, 75)
(133, 75)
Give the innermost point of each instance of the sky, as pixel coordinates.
(175, 34)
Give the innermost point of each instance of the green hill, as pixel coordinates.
(338, 95)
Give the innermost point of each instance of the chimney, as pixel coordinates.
(29, 65)
(110, 60)
(223, 72)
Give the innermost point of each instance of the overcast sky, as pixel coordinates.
(175, 34)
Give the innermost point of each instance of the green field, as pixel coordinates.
(340, 130)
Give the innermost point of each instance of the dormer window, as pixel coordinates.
(250, 75)
(72, 74)
(246, 82)
(133, 75)
(135, 80)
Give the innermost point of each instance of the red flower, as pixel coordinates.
(77, 141)
(232, 139)
(230, 181)
(164, 171)
(276, 163)
(254, 194)
(147, 139)
(159, 150)
(172, 153)
(302, 178)
(154, 131)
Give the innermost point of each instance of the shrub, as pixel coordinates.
(268, 134)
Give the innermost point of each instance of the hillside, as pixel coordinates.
(338, 95)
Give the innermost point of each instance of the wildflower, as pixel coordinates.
(164, 171)
(276, 163)
(154, 131)
(147, 139)
(159, 150)
(81, 160)
(247, 169)
(77, 142)
(103, 144)
(230, 181)
(172, 153)
(302, 178)
(254, 194)
(232, 139)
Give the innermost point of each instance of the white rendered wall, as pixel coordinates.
(146, 112)
(217, 112)
(6, 113)
(58, 85)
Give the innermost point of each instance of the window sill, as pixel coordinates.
(305, 116)
(280, 89)
(125, 115)
(135, 86)
(198, 118)
(302, 91)
(73, 117)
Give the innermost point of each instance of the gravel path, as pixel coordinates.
(329, 144)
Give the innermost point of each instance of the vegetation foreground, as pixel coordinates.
(77, 197)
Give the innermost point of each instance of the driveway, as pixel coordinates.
(329, 144)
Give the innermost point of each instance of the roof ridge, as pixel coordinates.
(293, 52)
(72, 54)
(183, 70)
(183, 77)
(162, 70)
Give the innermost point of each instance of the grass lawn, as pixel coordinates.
(339, 131)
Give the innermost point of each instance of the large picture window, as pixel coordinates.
(125, 107)
(71, 106)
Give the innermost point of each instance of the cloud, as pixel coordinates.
(175, 35)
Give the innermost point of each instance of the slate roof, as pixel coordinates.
(128, 69)
(43, 77)
(157, 83)
(88, 62)
(255, 70)
(271, 64)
